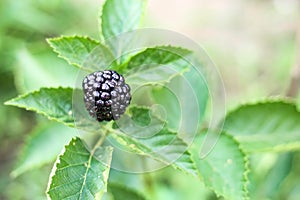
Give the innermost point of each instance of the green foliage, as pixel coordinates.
(165, 146)
(43, 146)
(225, 168)
(80, 173)
(156, 65)
(77, 51)
(180, 92)
(256, 125)
(119, 16)
(156, 56)
(170, 103)
(54, 103)
(120, 192)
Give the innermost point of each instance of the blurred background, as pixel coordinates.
(255, 44)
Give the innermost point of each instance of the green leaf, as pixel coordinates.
(119, 16)
(42, 146)
(156, 65)
(120, 192)
(80, 174)
(225, 168)
(279, 172)
(184, 99)
(82, 52)
(272, 125)
(154, 141)
(156, 56)
(54, 103)
(171, 104)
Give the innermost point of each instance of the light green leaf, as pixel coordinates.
(120, 192)
(119, 16)
(171, 104)
(156, 141)
(82, 52)
(43, 146)
(184, 99)
(269, 172)
(266, 126)
(54, 103)
(224, 169)
(80, 174)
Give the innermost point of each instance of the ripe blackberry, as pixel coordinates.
(106, 95)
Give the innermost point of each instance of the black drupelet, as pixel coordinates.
(106, 95)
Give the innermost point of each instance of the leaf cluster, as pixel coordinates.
(82, 171)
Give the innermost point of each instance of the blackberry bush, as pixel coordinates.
(106, 95)
(82, 169)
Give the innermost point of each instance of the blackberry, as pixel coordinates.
(106, 95)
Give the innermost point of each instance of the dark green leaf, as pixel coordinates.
(80, 174)
(54, 103)
(156, 65)
(120, 192)
(156, 56)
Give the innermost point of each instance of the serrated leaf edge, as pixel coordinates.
(49, 41)
(11, 103)
(179, 73)
(262, 101)
(163, 48)
(293, 146)
(156, 157)
(245, 178)
(246, 166)
(54, 168)
(179, 138)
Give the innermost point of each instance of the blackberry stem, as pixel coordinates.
(99, 142)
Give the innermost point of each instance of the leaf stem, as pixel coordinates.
(92, 152)
(99, 142)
